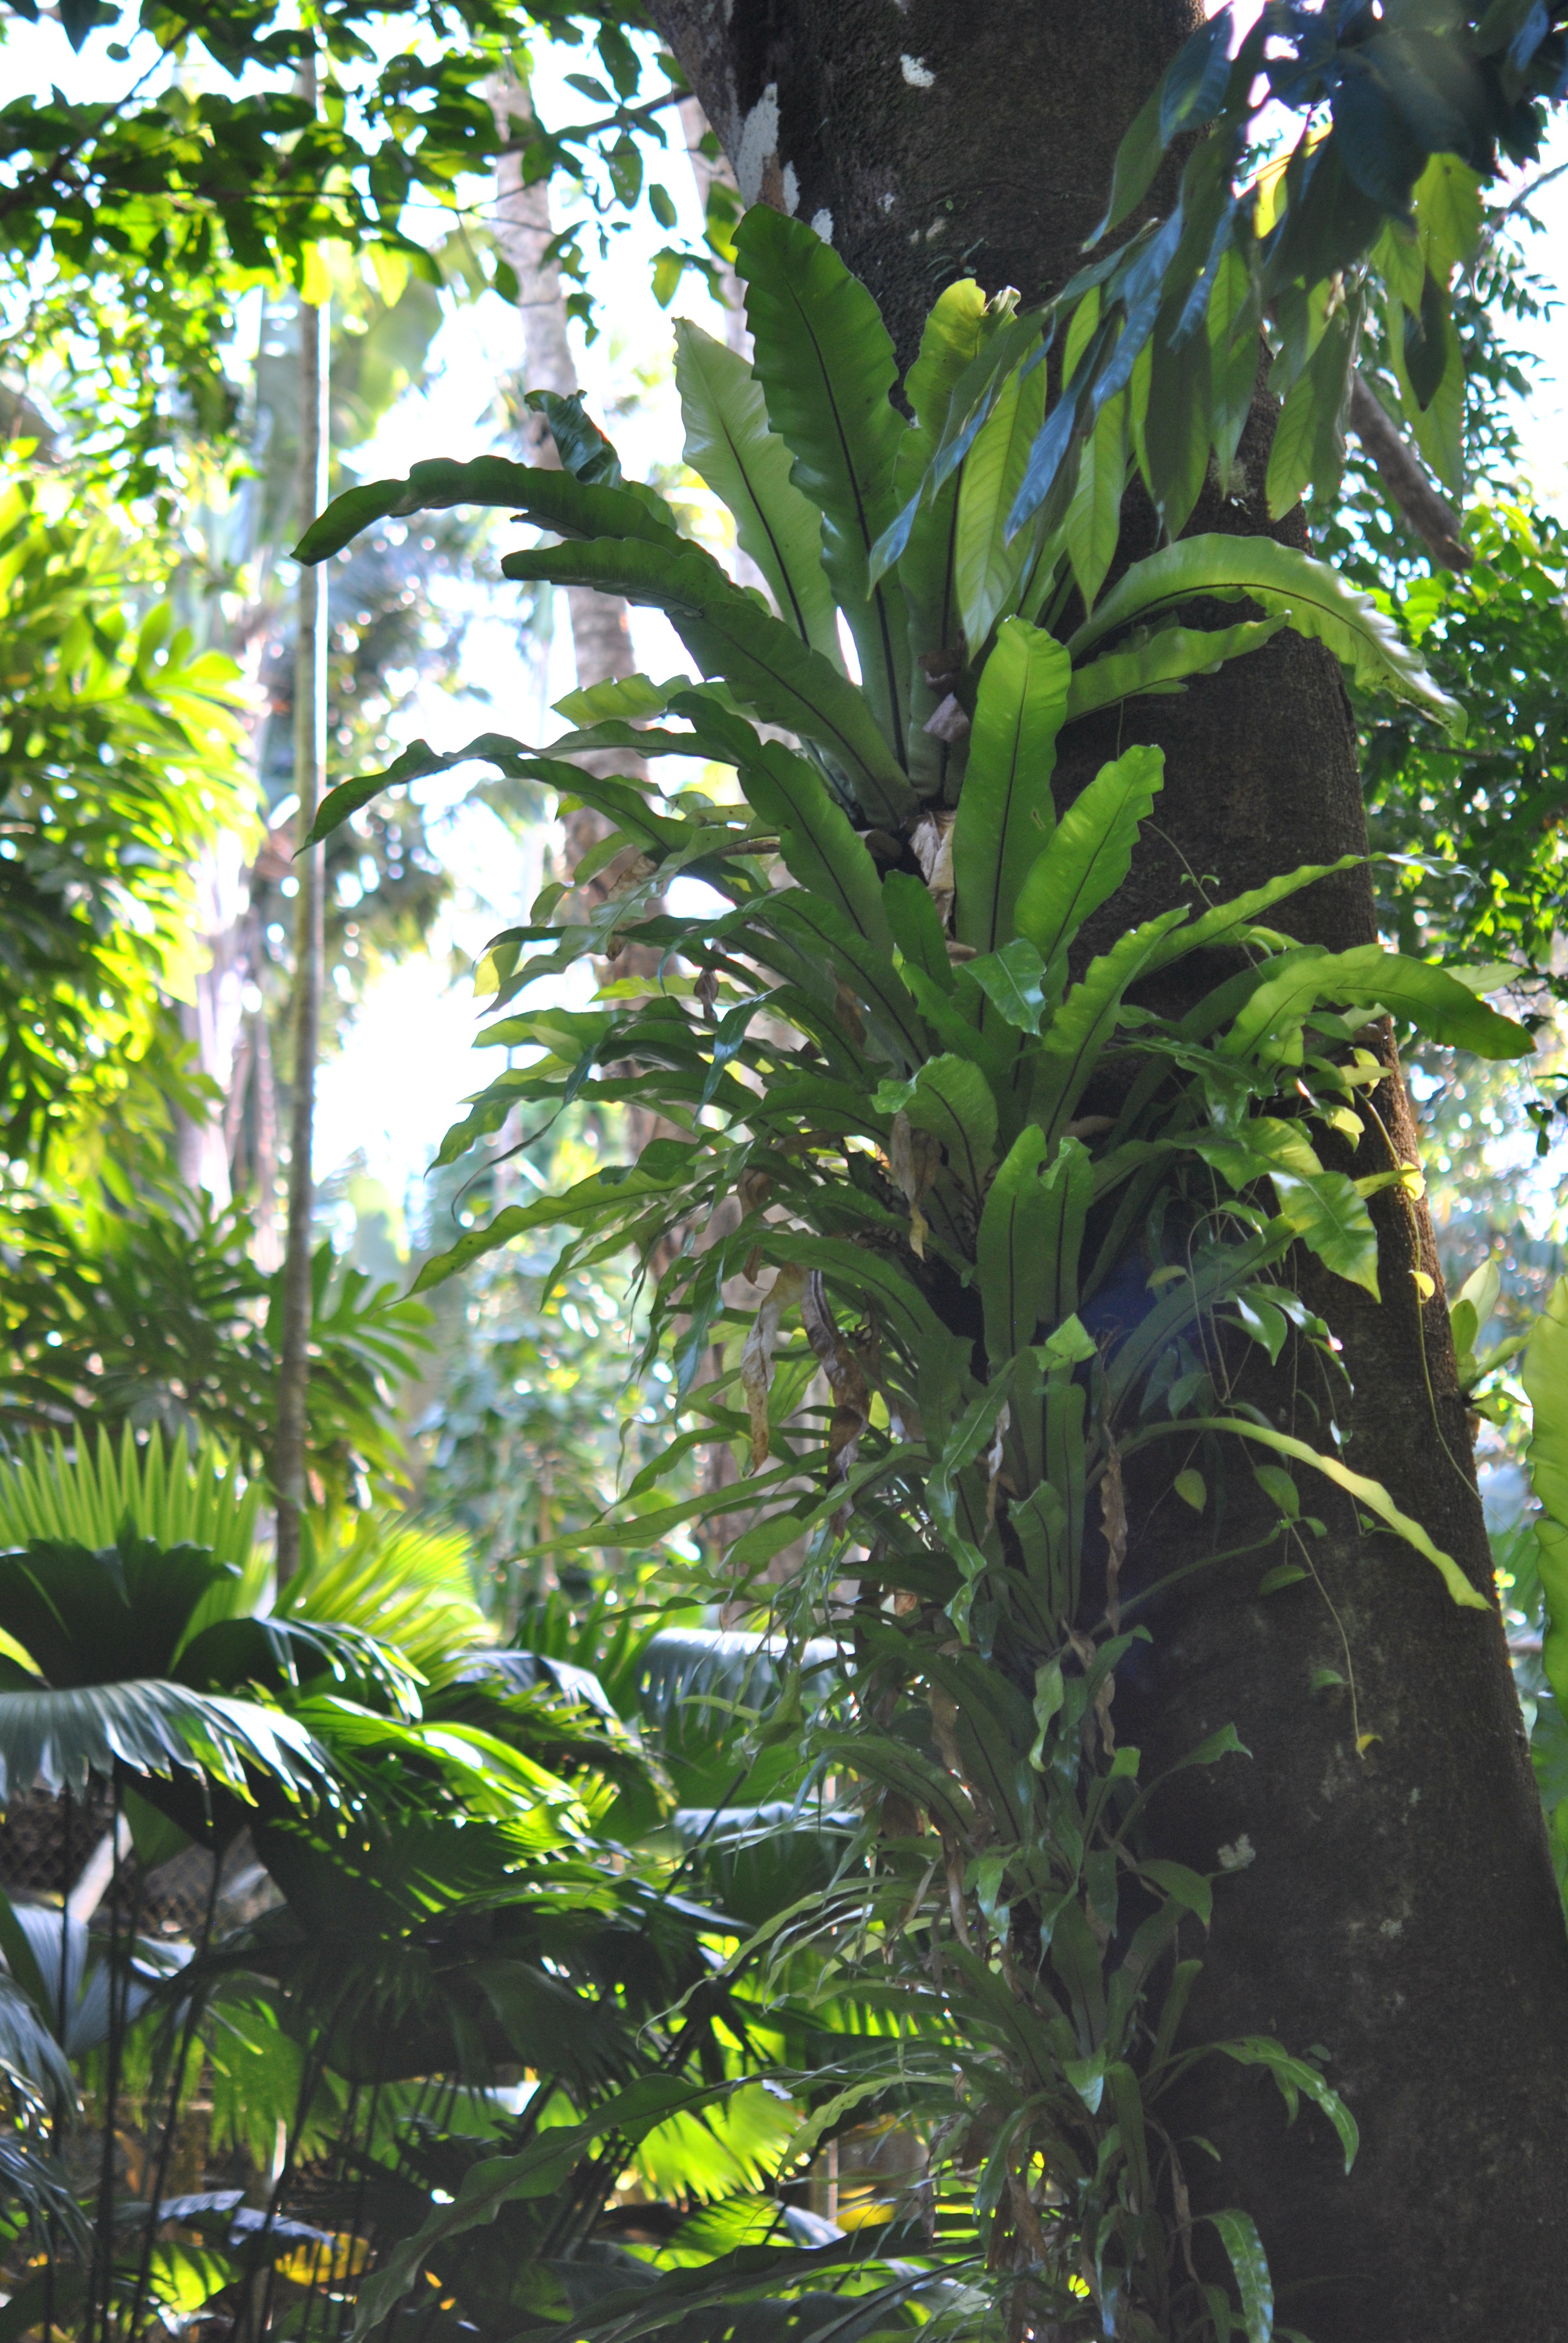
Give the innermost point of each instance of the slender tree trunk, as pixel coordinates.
(601, 632)
(1393, 1903)
(310, 767)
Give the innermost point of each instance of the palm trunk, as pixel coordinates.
(309, 764)
(1392, 1899)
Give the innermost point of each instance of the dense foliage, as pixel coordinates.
(818, 1973)
(1018, 1220)
(119, 764)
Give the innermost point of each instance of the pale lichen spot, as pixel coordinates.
(792, 186)
(886, 202)
(757, 145)
(822, 225)
(916, 72)
(1237, 1858)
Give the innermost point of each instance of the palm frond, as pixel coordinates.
(399, 1581)
(87, 1497)
(56, 1740)
(39, 2186)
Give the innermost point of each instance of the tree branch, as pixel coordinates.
(1430, 515)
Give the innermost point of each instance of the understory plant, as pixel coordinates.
(425, 1930)
(1012, 1201)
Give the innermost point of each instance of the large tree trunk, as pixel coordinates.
(1397, 1907)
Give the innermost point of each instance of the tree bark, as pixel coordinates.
(1392, 1900)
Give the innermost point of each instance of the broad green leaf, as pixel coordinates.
(1189, 1887)
(1009, 1248)
(1006, 813)
(1450, 213)
(537, 2171)
(1368, 1493)
(1225, 922)
(629, 697)
(1264, 1144)
(727, 633)
(729, 444)
(818, 846)
(917, 926)
(861, 1276)
(953, 335)
(806, 918)
(1437, 421)
(973, 395)
(1094, 515)
(950, 1096)
(1238, 2233)
(1297, 2080)
(589, 1202)
(1363, 980)
(1162, 662)
(1233, 345)
(1308, 594)
(1014, 980)
(826, 365)
(1328, 1214)
(549, 499)
(1293, 446)
(1085, 1023)
(1323, 1208)
(1090, 853)
(1029, 1238)
(1545, 1380)
(618, 800)
(1176, 427)
(987, 568)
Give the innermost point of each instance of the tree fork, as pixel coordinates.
(1392, 1899)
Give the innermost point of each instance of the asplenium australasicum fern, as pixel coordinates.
(881, 1042)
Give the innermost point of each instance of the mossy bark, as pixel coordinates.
(1391, 1903)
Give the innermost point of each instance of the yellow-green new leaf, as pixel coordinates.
(1368, 1493)
(987, 568)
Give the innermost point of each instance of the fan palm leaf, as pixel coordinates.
(56, 1740)
(398, 1582)
(87, 1498)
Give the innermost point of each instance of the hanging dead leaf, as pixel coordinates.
(950, 720)
(754, 1187)
(914, 1158)
(933, 849)
(757, 1355)
(851, 1400)
(1114, 1520)
(847, 1010)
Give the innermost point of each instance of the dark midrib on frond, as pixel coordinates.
(894, 710)
(768, 530)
